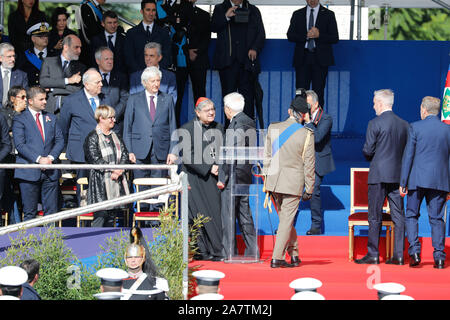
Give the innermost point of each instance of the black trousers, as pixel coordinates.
(376, 195)
(316, 205)
(236, 79)
(198, 81)
(312, 75)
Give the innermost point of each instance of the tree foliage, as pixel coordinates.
(413, 24)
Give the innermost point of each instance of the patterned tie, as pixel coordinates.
(105, 80)
(310, 25)
(110, 44)
(38, 123)
(65, 64)
(93, 105)
(5, 87)
(152, 108)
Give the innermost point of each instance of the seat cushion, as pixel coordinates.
(90, 214)
(362, 216)
(147, 214)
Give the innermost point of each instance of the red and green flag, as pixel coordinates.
(445, 114)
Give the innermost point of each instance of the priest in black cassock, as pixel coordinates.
(200, 146)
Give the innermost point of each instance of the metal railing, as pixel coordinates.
(179, 183)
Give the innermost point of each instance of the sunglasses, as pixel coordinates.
(23, 97)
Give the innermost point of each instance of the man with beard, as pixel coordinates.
(61, 75)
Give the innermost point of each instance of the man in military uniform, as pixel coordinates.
(289, 162)
(144, 282)
(30, 61)
(11, 280)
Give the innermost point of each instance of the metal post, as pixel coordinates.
(185, 229)
(360, 3)
(386, 21)
(352, 18)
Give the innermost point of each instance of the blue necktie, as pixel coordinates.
(93, 105)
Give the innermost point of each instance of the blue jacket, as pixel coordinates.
(29, 144)
(140, 133)
(76, 121)
(425, 161)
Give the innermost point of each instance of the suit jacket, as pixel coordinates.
(425, 161)
(240, 133)
(92, 25)
(140, 133)
(32, 70)
(100, 40)
(117, 93)
(29, 144)
(286, 171)
(326, 23)
(17, 78)
(168, 83)
(52, 77)
(386, 137)
(5, 140)
(76, 121)
(136, 39)
(249, 36)
(322, 143)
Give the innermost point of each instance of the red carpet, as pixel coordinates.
(326, 258)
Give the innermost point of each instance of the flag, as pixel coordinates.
(445, 114)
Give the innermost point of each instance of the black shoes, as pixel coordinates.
(295, 261)
(313, 232)
(414, 260)
(368, 260)
(397, 261)
(280, 264)
(439, 264)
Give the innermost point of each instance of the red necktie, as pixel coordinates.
(152, 108)
(39, 126)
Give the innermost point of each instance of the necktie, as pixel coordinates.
(38, 123)
(5, 87)
(105, 80)
(110, 44)
(310, 25)
(93, 105)
(65, 64)
(148, 32)
(152, 108)
(41, 55)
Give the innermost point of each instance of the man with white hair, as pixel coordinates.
(425, 174)
(148, 125)
(385, 141)
(9, 76)
(240, 133)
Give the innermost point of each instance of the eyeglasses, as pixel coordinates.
(23, 97)
(112, 118)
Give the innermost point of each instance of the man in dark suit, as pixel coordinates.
(77, 117)
(240, 39)
(9, 76)
(240, 133)
(61, 75)
(425, 174)
(113, 38)
(115, 84)
(321, 123)
(30, 61)
(314, 31)
(146, 31)
(38, 139)
(153, 56)
(32, 267)
(385, 141)
(149, 125)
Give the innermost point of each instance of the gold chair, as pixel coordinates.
(4, 217)
(359, 214)
(81, 219)
(163, 198)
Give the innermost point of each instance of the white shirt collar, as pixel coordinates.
(36, 51)
(90, 96)
(3, 69)
(150, 25)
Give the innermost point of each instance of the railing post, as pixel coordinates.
(185, 230)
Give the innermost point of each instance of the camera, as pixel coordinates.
(241, 15)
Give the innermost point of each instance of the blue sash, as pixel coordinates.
(97, 11)
(181, 58)
(34, 59)
(159, 10)
(284, 136)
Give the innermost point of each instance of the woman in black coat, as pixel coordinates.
(19, 21)
(59, 30)
(104, 146)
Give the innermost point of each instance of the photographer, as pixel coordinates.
(240, 39)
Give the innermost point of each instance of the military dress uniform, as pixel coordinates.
(30, 61)
(289, 162)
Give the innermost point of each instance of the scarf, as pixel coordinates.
(112, 186)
